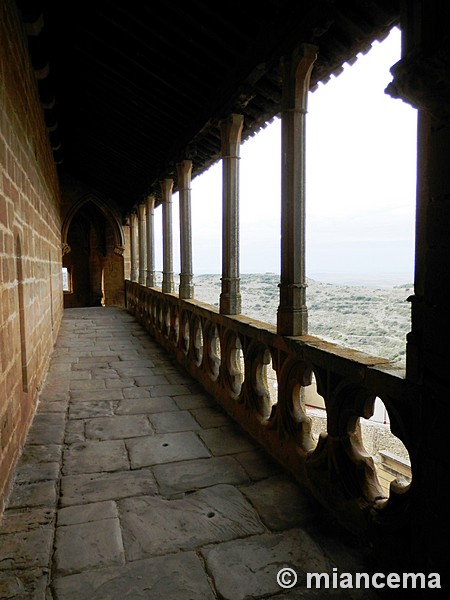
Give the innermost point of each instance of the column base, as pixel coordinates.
(230, 305)
(292, 321)
(150, 281)
(167, 283)
(186, 292)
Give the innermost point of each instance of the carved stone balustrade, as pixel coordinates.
(229, 356)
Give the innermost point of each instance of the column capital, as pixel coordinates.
(141, 211)
(166, 189)
(231, 129)
(184, 172)
(422, 81)
(298, 67)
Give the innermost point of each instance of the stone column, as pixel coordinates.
(167, 282)
(184, 170)
(133, 246)
(142, 240)
(421, 79)
(292, 318)
(150, 212)
(230, 297)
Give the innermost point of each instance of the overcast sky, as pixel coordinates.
(360, 183)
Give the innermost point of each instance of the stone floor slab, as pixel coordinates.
(258, 464)
(152, 525)
(227, 440)
(248, 568)
(165, 448)
(120, 382)
(47, 428)
(26, 549)
(133, 363)
(135, 372)
(169, 422)
(41, 453)
(150, 380)
(25, 519)
(173, 577)
(192, 475)
(87, 385)
(32, 472)
(188, 401)
(104, 374)
(28, 584)
(118, 427)
(53, 406)
(88, 546)
(95, 487)
(145, 405)
(75, 431)
(85, 513)
(40, 493)
(168, 390)
(280, 503)
(47, 396)
(94, 408)
(96, 395)
(210, 416)
(94, 457)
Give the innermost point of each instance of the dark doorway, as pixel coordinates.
(91, 265)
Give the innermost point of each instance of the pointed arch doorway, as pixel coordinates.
(93, 264)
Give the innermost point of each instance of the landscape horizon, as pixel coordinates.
(366, 312)
(369, 312)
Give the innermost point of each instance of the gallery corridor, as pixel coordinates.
(135, 484)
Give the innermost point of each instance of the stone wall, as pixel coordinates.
(30, 248)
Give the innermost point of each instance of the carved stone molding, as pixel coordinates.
(66, 249)
(119, 250)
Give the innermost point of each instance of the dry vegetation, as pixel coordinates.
(372, 319)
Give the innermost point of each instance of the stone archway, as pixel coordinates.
(93, 244)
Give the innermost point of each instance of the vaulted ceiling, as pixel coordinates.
(131, 88)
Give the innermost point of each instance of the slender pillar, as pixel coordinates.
(167, 282)
(150, 212)
(230, 297)
(142, 240)
(133, 247)
(184, 170)
(292, 318)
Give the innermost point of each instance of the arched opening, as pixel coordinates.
(391, 457)
(93, 266)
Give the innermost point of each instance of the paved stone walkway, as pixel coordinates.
(135, 484)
